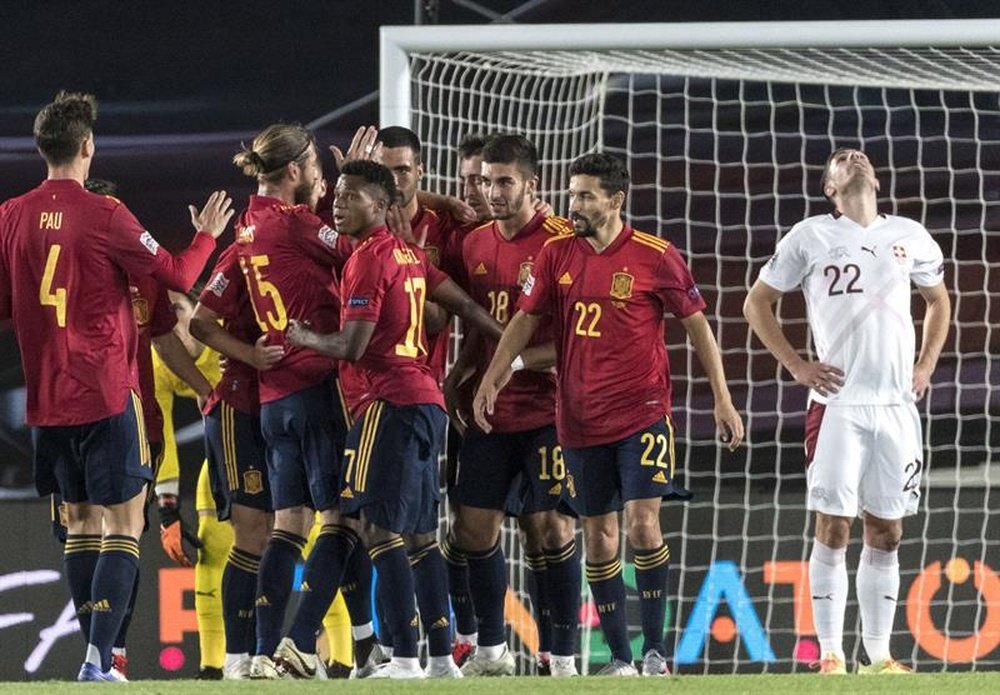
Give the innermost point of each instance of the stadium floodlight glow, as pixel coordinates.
(725, 128)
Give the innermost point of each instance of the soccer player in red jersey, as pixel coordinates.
(65, 256)
(390, 474)
(522, 445)
(607, 288)
(431, 229)
(289, 258)
(470, 172)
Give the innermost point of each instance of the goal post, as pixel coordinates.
(725, 128)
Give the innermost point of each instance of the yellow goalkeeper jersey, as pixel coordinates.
(168, 387)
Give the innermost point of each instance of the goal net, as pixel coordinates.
(725, 130)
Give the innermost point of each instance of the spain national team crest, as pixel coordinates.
(253, 483)
(899, 252)
(524, 272)
(140, 308)
(621, 286)
(433, 255)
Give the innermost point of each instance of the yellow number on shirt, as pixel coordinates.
(46, 294)
(277, 320)
(349, 456)
(416, 290)
(499, 303)
(558, 468)
(650, 441)
(593, 311)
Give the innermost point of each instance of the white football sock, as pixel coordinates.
(828, 589)
(877, 584)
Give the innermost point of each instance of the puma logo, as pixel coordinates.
(889, 598)
(828, 597)
(870, 250)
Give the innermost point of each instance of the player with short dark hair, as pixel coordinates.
(522, 446)
(390, 473)
(607, 288)
(862, 434)
(65, 256)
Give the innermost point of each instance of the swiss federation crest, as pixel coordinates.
(621, 285)
(253, 483)
(524, 272)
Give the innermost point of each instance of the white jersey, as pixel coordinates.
(856, 283)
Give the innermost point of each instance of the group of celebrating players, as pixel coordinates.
(333, 309)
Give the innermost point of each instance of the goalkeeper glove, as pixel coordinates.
(174, 532)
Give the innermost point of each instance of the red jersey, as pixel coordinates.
(226, 295)
(288, 256)
(495, 270)
(68, 255)
(386, 281)
(608, 312)
(154, 317)
(434, 232)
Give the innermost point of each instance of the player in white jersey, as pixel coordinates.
(863, 440)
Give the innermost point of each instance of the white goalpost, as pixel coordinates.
(725, 128)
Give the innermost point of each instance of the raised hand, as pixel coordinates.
(214, 217)
(363, 146)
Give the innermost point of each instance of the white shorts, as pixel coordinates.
(863, 458)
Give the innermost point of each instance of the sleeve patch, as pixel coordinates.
(328, 236)
(358, 301)
(147, 240)
(218, 285)
(529, 285)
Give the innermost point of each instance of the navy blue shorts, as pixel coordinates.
(600, 479)
(514, 472)
(105, 462)
(237, 471)
(391, 467)
(304, 434)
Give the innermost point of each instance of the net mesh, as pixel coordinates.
(725, 149)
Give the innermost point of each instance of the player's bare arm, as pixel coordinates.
(515, 338)
(206, 328)
(173, 353)
(453, 298)
(456, 207)
(728, 422)
(464, 367)
(758, 309)
(936, 321)
(348, 344)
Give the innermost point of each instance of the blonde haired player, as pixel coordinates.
(862, 435)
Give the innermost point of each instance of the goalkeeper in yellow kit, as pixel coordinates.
(230, 488)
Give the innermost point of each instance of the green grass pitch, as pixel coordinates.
(935, 683)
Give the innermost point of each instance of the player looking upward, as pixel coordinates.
(65, 258)
(607, 288)
(862, 435)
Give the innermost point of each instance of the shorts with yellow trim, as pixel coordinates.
(600, 479)
(304, 434)
(104, 462)
(237, 471)
(391, 467)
